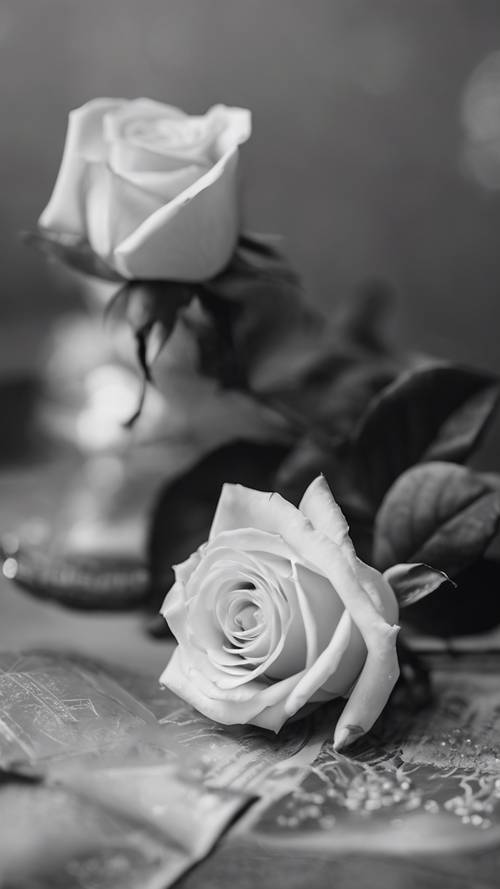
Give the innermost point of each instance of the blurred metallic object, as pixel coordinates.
(79, 583)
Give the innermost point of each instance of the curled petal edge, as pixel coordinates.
(372, 690)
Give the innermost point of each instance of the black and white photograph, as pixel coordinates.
(250, 444)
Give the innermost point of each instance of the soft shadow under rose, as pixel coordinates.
(152, 190)
(276, 611)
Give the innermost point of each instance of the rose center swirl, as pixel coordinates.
(243, 621)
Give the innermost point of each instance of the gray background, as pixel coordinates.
(357, 152)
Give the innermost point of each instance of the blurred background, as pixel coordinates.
(376, 146)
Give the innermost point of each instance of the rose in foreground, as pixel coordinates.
(275, 612)
(153, 190)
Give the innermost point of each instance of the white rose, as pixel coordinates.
(152, 189)
(276, 611)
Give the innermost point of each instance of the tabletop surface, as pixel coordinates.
(27, 622)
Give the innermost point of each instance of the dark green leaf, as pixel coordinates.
(72, 250)
(438, 513)
(434, 412)
(334, 407)
(412, 582)
(327, 397)
(329, 410)
(471, 608)
(304, 462)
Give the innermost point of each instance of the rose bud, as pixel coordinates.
(152, 190)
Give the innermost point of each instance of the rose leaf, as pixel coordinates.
(412, 582)
(449, 612)
(73, 251)
(338, 405)
(305, 460)
(438, 513)
(433, 412)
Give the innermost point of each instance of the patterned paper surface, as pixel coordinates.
(110, 780)
(419, 784)
(136, 787)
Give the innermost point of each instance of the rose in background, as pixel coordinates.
(276, 612)
(151, 189)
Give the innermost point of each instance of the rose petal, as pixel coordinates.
(325, 606)
(236, 129)
(379, 590)
(138, 109)
(84, 144)
(132, 159)
(170, 132)
(323, 667)
(252, 668)
(187, 239)
(207, 680)
(372, 690)
(174, 607)
(130, 205)
(310, 625)
(320, 507)
(322, 553)
(253, 647)
(200, 629)
(293, 657)
(263, 706)
(245, 539)
(378, 635)
(326, 609)
(279, 565)
(240, 508)
(184, 569)
(114, 208)
(164, 186)
(97, 203)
